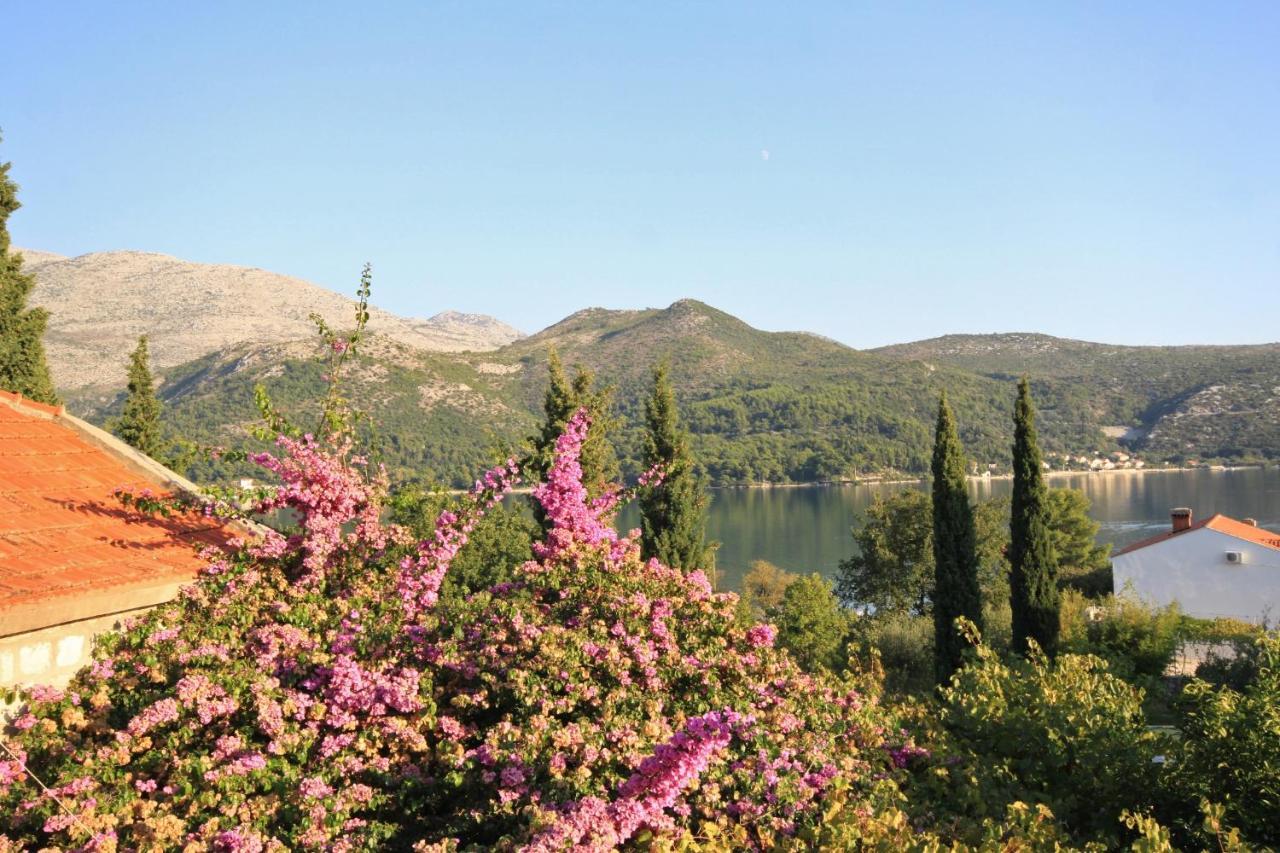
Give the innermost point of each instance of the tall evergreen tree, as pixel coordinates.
(22, 363)
(598, 459)
(955, 558)
(1033, 583)
(673, 516)
(139, 424)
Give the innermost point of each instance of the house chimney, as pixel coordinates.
(1252, 522)
(1181, 518)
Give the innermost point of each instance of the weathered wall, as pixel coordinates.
(1192, 569)
(52, 655)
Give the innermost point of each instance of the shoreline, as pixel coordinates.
(973, 478)
(980, 478)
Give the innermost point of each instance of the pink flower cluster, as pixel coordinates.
(12, 769)
(573, 517)
(762, 635)
(157, 714)
(328, 491)
(421, 576)
(656, 786)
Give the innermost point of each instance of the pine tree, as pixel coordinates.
(22, 363)
(564, 397)
(1033, 583)
(673, 516)
(955, 558)
(139, 424)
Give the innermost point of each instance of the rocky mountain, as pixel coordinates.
(455, 331)
(100, 303)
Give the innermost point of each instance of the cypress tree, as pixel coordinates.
(22, 363)
(564, 397)
(1033, 583)
(558, 406)
(955, 557)
(139, 424)
(598, 459)
(673, 516)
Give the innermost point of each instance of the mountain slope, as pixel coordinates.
(1183, 402)
(100, 303)
(763, 406)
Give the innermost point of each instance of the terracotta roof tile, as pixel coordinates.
(1218, 522)
(62, 532)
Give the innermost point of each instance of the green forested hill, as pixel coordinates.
(763, 406)
(1181, 403)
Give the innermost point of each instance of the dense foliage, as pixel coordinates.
(955, 552)
(673, 515)
(1033, 581)
(22, 362)
(324, 689)
(893, 570)
(1231, 750)
(1069, 735)
(316, 689)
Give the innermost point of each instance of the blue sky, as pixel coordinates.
(1094, 170)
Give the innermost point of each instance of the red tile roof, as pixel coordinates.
(67, 546)
(1220, 523)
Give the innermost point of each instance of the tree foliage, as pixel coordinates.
(811, 624)
(22, 363)
(501, 540)
(673, 514)
(762, 589)
(955, 557)
(893, 569)
(1033, 582)
(139, 423)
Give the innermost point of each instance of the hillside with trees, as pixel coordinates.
(1177, 403)
(759, 406)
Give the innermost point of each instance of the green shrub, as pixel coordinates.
(1067, 734)
(811, 624)
(1137, 642)
(904, 645)
(1229, 752)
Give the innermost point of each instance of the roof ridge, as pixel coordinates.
(17, 401)
(1216, 522)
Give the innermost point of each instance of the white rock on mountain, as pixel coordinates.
(100, 303)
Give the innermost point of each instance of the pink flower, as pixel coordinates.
(762, 635)
(655, 787)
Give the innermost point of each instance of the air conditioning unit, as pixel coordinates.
(1235, 557)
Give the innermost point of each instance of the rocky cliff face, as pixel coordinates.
(100, 303)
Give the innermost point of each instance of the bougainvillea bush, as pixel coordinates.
(314, 691)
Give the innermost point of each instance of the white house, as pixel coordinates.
(1215, 567)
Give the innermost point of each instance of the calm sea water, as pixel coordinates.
(807, 529)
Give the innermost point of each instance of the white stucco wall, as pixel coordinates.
(1192, 569)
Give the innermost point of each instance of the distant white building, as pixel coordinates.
(1211, 568)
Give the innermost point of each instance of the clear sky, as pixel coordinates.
(872, 172)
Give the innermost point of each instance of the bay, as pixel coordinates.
(807, 528)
